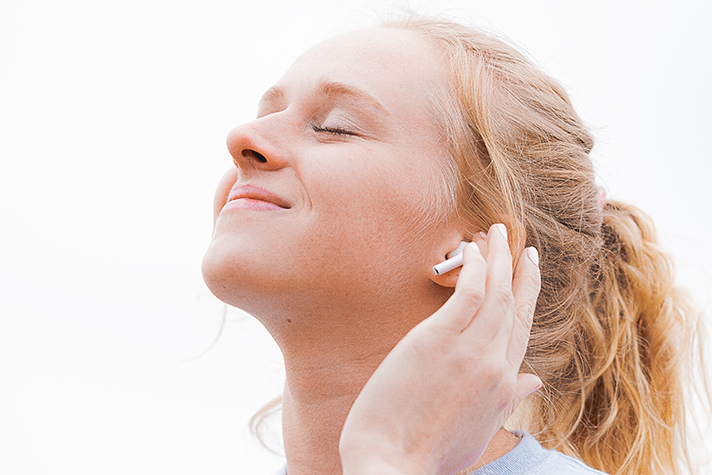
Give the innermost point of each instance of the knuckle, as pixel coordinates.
(501, 384)
(502, 292)
(472, 297)
(493, 373)
(463, 365)
(508, 389)
(525, 310)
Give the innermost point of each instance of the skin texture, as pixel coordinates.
(334, 255)
(468, 353)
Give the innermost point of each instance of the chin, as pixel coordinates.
(228, 274)
(244, 277)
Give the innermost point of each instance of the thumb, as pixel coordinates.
(527, 383)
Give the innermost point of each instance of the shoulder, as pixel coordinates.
(530, 458)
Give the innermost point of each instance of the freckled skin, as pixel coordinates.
(355, 225)
(344, 273)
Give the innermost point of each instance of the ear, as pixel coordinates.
(448, 279)
(441, 251)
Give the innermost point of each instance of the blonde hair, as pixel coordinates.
(612, 338)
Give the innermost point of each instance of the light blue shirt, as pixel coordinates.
(529, 458)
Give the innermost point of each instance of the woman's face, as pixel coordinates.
(334, 181)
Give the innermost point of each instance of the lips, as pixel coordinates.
(253, 197)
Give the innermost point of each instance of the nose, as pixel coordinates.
(254, 146)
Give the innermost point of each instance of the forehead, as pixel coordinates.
(397, 67)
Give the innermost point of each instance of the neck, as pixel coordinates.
(325, 372)
(313, 414)
(329, 357)
(312, 424)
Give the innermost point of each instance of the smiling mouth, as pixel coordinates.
(254, 198)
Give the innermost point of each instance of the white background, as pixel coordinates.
(112, 124)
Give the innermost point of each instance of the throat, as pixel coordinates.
(311, 426)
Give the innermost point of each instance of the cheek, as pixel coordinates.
(375, 199)
(223, 189)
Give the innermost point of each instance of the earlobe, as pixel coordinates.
(448, 279)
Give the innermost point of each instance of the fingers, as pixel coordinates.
(525, 288)
(486, 288)
(527, 383)
(461, 308)
(495, 314)
(486, 276)
(499, 258)
(482, 243)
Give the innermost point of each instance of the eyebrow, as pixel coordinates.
(273, 94)
(335, 89)
(328, 88)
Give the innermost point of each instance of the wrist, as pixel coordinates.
(379, 459)
(371, 465)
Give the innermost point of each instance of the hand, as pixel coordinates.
(448, 386)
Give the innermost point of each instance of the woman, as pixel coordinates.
(373, 157)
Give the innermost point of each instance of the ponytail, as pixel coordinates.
(612, 338)
(620, 404)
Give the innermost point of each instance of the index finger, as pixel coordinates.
(461, 307)
(496, 312)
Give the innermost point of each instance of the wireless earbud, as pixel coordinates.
(454, 260)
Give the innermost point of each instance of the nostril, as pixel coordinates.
(261, 158)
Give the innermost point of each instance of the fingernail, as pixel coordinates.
(502, 229)
(483, 235)
(536, 389)
(533, 255)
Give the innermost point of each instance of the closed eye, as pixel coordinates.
(333, 130)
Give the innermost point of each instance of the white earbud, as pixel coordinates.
(454, 259)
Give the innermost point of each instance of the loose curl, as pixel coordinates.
(612, 338)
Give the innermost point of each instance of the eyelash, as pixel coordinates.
(332, 130)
